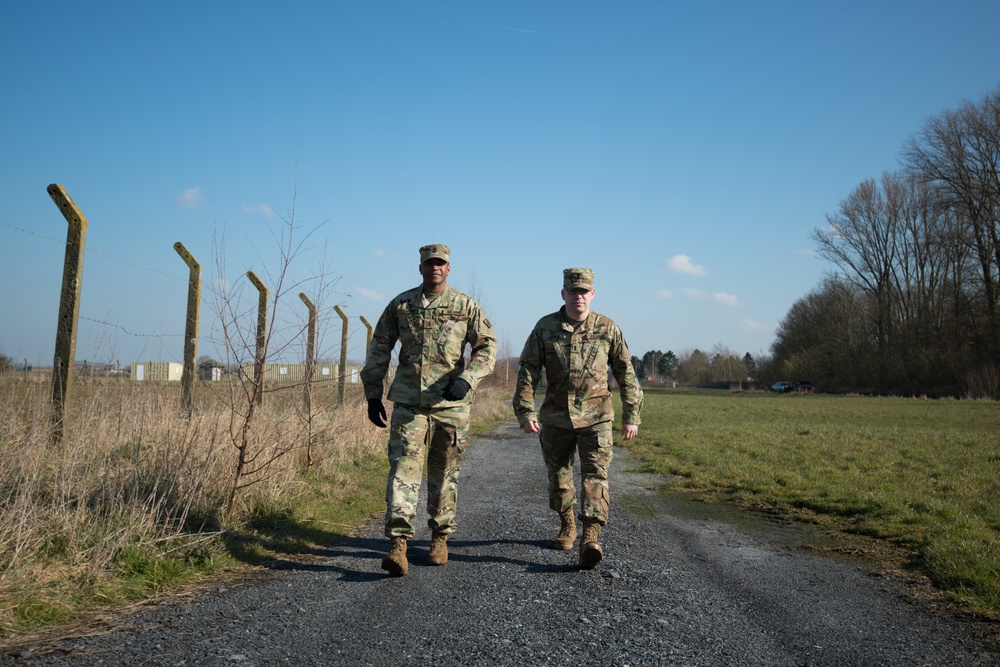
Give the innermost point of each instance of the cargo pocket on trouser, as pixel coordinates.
(447, 448)
(596, 500)
(559, 452)
(595, 460)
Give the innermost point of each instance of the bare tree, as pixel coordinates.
(959, 152)
(862, 239)
(693, 368)
(255, 454)
(825, 337)
(726, 365)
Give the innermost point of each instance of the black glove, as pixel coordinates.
(456, 390)
(376, 412)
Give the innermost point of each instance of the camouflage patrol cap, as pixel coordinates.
(435, 250)
(578, 278)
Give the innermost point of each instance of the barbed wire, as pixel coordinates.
(208, 289)
(119, 327)
(92, 251)
(28, 231)
(208, 293)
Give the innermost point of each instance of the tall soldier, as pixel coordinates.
(432, 397)
(576, 348)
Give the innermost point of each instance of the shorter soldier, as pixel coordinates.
(576, 348)
(432, 395)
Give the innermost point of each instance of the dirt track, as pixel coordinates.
(677, 587)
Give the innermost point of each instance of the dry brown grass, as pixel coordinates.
(132, 476)
(492, 402)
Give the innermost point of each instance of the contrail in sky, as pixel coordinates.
(504, 27)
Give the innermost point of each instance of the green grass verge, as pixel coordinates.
(923, 474)
(293, 527)
(325, 510)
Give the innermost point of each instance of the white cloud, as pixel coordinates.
(381, 253)
(683, 264)
(370, 294)
(259, 209)
(694, 293)
(725, 299)
(752, 326)
(190, 198)
(809, 252)
(664, 294)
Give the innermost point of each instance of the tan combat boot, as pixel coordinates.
(590, 551)
(438, 555)
(395, 561)
(567, 534)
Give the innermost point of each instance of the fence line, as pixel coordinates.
(358, 347)
(69, 317)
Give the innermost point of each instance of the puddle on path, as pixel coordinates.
(649, 496)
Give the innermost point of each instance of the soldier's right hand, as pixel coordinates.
(376, 412)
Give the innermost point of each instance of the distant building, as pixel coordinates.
(210, 372)
(157, 371)
(275, 373)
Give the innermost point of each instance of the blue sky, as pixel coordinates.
(684, 151)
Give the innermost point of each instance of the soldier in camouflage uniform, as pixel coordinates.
(576, 348)
(432, 396)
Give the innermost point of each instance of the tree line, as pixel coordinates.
(913, 302)
(720, 365)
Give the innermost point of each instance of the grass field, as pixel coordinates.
(921, 474)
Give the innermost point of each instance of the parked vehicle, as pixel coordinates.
(801, 387)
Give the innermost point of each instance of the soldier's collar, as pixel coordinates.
(570, 324)
(433, 299)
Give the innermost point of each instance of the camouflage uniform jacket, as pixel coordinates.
(432, 342)
(576, 365)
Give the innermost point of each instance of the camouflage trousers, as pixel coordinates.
(559, 445)
(440, 436)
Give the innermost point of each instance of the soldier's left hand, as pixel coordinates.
(456, 390)
(376, 412)
(629, 431)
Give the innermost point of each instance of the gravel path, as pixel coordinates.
(675, 588)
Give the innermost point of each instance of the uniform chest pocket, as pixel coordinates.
(411, 330)
(557, 347)
(593, 355)
(449, 327)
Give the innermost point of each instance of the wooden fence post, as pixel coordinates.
(343, 355)
(261, 335)
(368, 340)
(190, 329)
(69, 307)
(310, 354)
